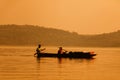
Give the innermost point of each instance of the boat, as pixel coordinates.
(68, 55)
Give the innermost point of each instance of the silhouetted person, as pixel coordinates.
(61, 51)
(38, 50)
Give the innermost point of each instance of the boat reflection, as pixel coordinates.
(65, 60)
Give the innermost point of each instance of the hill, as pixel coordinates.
(33, 35)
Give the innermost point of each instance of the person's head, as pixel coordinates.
(60, 48)
(39, 45)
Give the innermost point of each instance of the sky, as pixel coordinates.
(81, 16)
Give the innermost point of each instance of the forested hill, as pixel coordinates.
(32, 35)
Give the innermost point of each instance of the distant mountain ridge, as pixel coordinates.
(28, 35)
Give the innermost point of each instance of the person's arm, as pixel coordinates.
(43, 49)
(65, 50)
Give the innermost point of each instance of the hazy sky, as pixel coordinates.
(82, 16)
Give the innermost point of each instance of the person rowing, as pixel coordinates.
(39, 50)
(61, 51)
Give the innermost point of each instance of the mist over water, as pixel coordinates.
(18, 63)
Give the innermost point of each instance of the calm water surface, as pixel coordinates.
(18, 63)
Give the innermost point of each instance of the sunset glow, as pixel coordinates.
(82, 16)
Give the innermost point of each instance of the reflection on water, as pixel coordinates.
(18, 63)
(61, 68)
(60, 60)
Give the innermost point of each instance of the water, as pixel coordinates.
(18, 63)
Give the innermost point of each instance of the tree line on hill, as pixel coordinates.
(29, 35)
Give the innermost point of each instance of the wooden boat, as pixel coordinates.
(68, 55)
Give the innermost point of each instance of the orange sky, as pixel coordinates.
(82, 16)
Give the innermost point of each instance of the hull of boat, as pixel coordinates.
(68, 55)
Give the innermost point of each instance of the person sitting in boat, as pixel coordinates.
(61, 51)
(39, 50)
